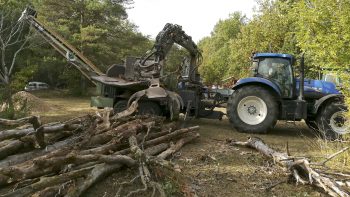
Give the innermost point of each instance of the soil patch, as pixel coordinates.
(24, 99)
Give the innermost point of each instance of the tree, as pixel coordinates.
(99, 29)
(216, 50)
(14, 39)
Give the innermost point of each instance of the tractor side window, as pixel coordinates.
(279, 71)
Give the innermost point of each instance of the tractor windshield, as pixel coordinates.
(278, 70)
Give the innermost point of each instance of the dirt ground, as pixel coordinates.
(209, 167)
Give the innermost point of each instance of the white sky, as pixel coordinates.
(197, 17)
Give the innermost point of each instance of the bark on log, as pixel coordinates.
(125, 130)
(161, 139)
(299, 168)
(44, 171)
(99, 172)
(112, 146)
(19, 158)
(18, 133)
(132, 109)
(20, 121)
(11, 148)
(47, 182)
(154, 150)
(170, 136)
(15, 133)
(177, 146)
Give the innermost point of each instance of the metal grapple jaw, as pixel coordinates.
(173, 101)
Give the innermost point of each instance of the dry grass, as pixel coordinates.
(65, 107)
(212, 168)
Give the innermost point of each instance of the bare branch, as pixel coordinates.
(2, 78)
(15, 55)
(14, 31)
(330, 157)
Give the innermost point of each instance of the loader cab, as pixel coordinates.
(276, 68)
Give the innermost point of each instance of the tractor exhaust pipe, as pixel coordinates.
(302, 75)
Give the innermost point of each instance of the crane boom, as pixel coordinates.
(74, 56)
(152, 62)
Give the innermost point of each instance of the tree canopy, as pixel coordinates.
(319, 28)
(100, 29)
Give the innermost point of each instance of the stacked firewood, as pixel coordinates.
(66, 158)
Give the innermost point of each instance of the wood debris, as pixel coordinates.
(67, 158)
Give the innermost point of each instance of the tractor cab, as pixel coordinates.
(277, 68)
(272, 93)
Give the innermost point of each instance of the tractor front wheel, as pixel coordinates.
(332, 121)
(312, 124)
(252, 109)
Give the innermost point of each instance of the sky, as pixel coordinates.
(197, 17)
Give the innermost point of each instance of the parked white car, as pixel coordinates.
(31, 86)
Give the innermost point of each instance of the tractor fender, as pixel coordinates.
(257, 81)
(325, 99)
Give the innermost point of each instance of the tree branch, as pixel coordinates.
(15, 55)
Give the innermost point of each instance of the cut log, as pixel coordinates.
(19, 158)
(69, 157)
(125, 130)
(11, 148)
(18, 133)
(177, 146)
(47, 182)
(131, 109)
(99, 172)
(20, 121)
(299, 168)
(159, 140)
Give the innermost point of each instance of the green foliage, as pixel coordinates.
(172, 67)
(170, 188)
(8, 110)
(99, 29)
(20, 78)
(76, 83)
(319, 28)
(216, 48)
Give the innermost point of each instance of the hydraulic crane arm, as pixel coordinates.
(151, 62)
(84, 65)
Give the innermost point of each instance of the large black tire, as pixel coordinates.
(265, 96)
(324, 120)
(149, 108)
(312, 124)
(120, 106)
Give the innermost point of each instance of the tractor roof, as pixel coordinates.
(281, 55)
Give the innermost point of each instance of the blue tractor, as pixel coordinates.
(274, 93)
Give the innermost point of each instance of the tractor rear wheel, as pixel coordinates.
(252, 109)
(332, 122)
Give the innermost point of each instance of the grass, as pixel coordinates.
(64, 106)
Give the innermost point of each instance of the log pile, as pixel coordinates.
(66, 158)
(301, 169)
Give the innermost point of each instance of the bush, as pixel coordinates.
(9, 111)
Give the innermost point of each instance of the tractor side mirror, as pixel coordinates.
(255, 65)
